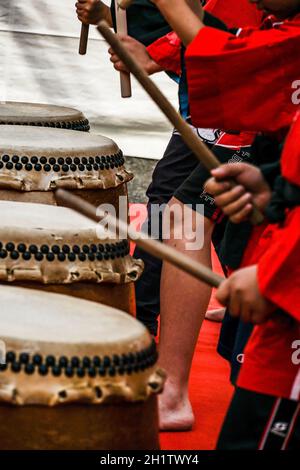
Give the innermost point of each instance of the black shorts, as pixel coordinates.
(191, 192)
(260, 422)
(171, 171)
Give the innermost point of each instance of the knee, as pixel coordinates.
(176, 214)
(173, 216)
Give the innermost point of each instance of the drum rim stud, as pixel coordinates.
(117, 364)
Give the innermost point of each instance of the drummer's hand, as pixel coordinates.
(140, 53)
(93, 11)
(237, 202)
(240, 293)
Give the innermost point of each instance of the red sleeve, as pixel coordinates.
(243, 83)
(279, 267)
(166, 52)
(235, 13)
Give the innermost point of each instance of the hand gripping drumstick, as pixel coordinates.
(155, 248)
(84, 36)
(121, 19)
(201, 151)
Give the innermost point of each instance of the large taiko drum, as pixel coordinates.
(55, 249)
(34, 161)
(78, 375)
(44, 115)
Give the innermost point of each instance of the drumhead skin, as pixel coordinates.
(34, 114)
(78, 376)
(59, 246)
(61, 351)
(44, 159)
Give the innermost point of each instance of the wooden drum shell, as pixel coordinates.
(93, 196)
(120, 296)
(122, 426)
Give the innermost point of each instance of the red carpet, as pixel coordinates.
(210, 390)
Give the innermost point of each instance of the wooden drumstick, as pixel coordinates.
(154, 247)
(201, 151)
(84, 37)
(121, 20)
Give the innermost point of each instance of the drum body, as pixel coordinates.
(57, 250)
(128, 426)
(78, 376)
(35, 161)
(42, 115)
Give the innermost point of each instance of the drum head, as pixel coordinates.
(42, 159)
(62, 350)
(34, 114)
(61, 324)
(55, 245)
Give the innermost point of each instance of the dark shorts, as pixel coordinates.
(260, 422)
(171, 171)
(191, 191)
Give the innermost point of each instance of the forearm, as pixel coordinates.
(185, 17)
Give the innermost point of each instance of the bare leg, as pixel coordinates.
(184, 301)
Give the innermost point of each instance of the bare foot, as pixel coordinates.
(175, 411)
(215, 315)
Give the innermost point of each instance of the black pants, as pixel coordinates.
(260, 422)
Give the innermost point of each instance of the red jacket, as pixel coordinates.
(269, 366)
(166, 51)
(248, 78)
